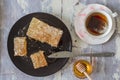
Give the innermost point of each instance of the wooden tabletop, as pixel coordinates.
(103, 68)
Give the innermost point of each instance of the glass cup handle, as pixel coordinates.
(114, 14)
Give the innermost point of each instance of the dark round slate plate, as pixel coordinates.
(19, 29)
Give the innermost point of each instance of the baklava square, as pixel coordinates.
(38, 59)
(20, 46)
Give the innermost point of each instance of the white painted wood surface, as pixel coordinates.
(12, 10)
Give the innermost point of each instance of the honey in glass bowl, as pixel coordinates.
(78, 73)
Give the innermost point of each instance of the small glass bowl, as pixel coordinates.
(78, 73)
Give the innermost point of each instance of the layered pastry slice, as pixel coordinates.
(38, 59)
(43, 32)
(20, 46)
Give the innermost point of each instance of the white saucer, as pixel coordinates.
(79, 25)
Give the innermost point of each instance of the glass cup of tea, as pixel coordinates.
(99, 23)
(88, 66)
